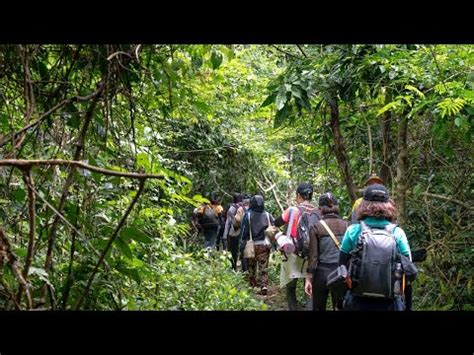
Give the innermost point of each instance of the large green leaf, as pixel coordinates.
(281, 99)
(269, 100)
(216, 59)
(281, 116)
(128, 233)
(123, 246)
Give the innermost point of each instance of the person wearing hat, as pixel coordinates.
(325, 240)
(375, 211)
(371, 179)
(239, 216)
(294, 267)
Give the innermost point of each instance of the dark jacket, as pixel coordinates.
(258, 220)
(322, 248)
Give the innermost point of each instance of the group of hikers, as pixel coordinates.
(364, 263)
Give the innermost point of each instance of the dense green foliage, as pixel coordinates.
(215, 118)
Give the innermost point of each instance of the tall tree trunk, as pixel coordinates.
(385, 172)
(289, 189)
(402, 169)
(340, 149)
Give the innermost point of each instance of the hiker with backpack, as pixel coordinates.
(324, 245)
(239, 217)
(375, 179)
(256, 221)
(208, 215)
(294, 267)
(232, 230)
(221, 230)
(377, 255)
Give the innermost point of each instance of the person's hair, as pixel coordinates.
(305, 190)
(214, 199)
(327, 209)
(237, 197)
(306, 197)
(387, 210)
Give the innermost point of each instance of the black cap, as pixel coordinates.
(305, 189)
(237, 197)
(327, 199)
(376, 192)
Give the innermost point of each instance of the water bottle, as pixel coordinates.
(398, 278)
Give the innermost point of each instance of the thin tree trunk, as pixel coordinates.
(28, 179)
(70, 179)
(340, 150)
(110, 242)
(402, 169)
(385, 122)
(70, 276)
(290, 172)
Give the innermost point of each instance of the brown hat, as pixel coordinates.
(373, 179)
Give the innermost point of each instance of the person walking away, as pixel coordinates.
(231, 231)
(294, 267)
(221, 230)
(239, 217)
(253, 228)
(377, 255)
(209, 220)
(325, 240)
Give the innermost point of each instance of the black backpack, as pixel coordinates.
(309, 217)
(375, 266)
(209, 217)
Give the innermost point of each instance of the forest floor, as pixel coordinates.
(275, 299)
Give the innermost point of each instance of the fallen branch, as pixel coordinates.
(109, 244)
(24, 164)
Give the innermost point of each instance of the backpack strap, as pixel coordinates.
(250, 228)
(390, 228)
(333, 237)
(290, 222)
(364, 227)
(268, 219)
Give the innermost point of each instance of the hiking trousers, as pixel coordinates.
(320, 290)
(210, 235)
(234, 250)
(262, 255)
(291, 296)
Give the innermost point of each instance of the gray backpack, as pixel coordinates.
(374, 261)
